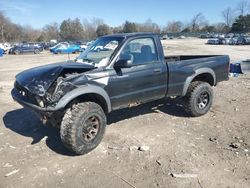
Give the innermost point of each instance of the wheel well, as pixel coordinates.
(92, 97)
(205, 77)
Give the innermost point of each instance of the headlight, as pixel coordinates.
(39, 101)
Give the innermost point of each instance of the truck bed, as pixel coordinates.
(186, 57)
(182, 67)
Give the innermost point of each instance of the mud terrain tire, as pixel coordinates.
(83, 127)
(199, 98)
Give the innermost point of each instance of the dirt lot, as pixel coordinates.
(211, 151)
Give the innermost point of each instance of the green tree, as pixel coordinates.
(186, 30)
(208, 28)
(242, 24)
(118, 29)
(130, 27)
(103, 30)
(71, 30)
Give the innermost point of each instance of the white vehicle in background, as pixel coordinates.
(110, 46)
(90, 42)
(221, 36)
(83, 46)
(57, 45)
(53, 41)
(181, 37)
(6, 47)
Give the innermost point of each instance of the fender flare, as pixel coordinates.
(86, 89)
(197, 73)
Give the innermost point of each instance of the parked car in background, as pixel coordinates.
(57, 45)
(213, 41)
(1, 52)
(5, 47)
(181, 37)
(233, 41)
(217, 41)
(224, 40)
(241, 40)
(221, 36)
(229, 35)
(83, 45)
(26, 48)
(66, 49)
(164, 37)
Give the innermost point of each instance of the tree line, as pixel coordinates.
(234, 20)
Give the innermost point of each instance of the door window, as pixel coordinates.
(140, 51)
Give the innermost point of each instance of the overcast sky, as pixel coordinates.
(113, 12)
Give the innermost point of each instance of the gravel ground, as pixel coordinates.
(209, 151)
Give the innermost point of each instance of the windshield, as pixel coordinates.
(100, 51)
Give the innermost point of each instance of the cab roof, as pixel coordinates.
(135, 34)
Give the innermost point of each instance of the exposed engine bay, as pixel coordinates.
(47, 89)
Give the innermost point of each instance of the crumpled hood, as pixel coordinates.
(39, 79)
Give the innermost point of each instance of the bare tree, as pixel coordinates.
(197, 21)
(228, 16)
(243, 8)
(51, 31)
(96, 22)
(221, 27)
(30, 34)
(2, 26)
(174, 27)
(149, 26)
(89, 30)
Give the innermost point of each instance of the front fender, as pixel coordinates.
(86, 89)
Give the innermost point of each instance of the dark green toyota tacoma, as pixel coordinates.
(113, 73)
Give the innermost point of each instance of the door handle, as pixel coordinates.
(157, 70)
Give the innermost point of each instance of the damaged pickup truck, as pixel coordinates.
(130, 69)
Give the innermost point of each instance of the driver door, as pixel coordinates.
(145, 80)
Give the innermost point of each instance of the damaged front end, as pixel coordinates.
(41, 88)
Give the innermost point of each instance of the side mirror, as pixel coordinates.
(124, 63)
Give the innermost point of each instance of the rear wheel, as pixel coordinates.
(83, 127)
(199, 98)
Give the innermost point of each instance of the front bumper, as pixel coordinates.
(26, 102)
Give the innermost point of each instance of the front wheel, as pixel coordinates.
(17, 52)
(199, 98)
(83, 127)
